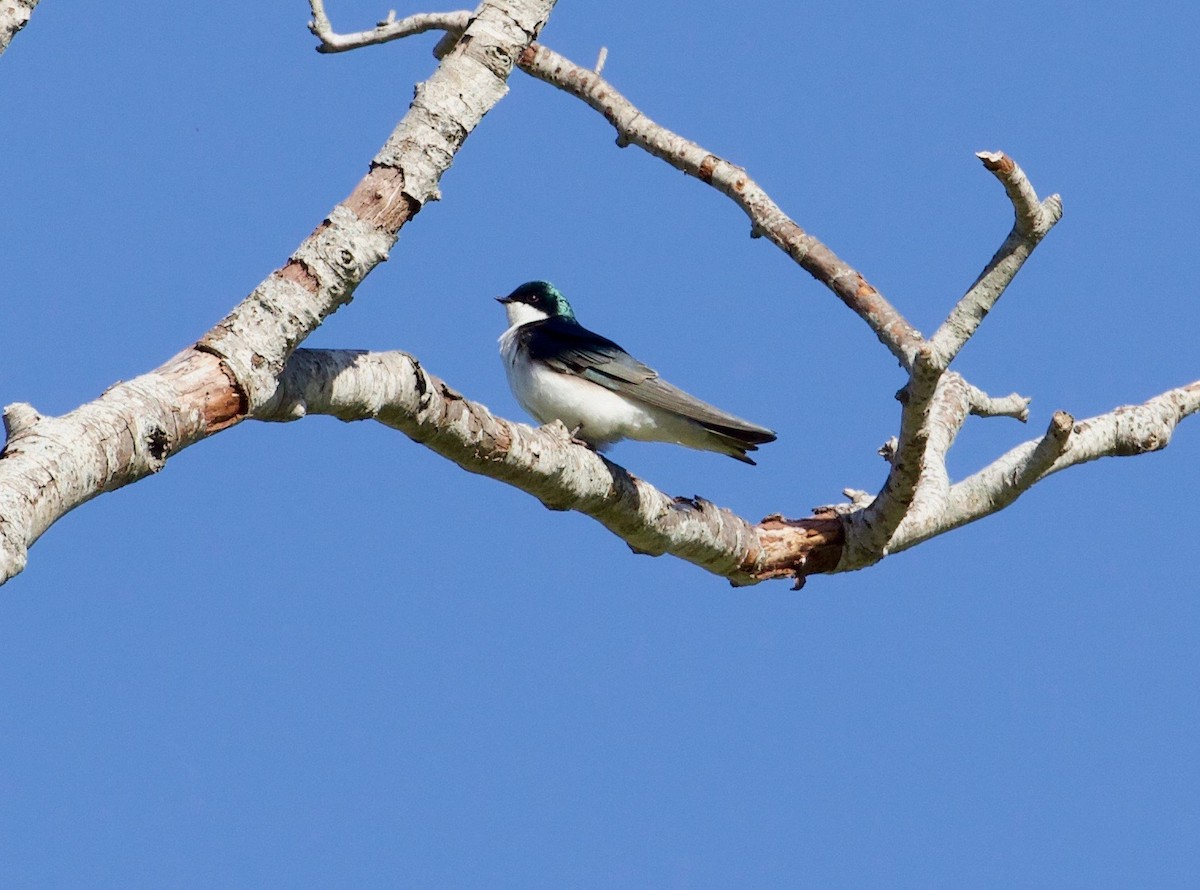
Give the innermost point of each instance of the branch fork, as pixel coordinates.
(249, 366)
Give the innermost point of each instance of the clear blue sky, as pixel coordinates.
(316, 654)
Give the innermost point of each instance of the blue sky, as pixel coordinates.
(316, 653)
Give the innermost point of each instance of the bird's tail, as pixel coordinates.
(736, 439)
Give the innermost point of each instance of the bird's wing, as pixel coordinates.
(570, 348)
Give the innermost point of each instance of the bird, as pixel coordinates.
(559, 370)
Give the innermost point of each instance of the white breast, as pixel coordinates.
(594, 414)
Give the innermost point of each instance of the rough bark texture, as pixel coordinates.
(393, 388)
(248, 364)
(51, 465)
(256, 339)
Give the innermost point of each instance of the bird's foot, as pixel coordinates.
(575, 440)
(559, 429)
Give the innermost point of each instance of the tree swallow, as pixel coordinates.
(559, 370)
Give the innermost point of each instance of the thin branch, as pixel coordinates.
(1122, 432)
(766, 218)
(633, 127)
(386, 31)
(393, 388)
(1034, 219)
(868, 531)
(14, 15)
(1012, 405)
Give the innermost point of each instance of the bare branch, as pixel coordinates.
(633, 127)
(51, 466)
(14, 15)
(1122, 432)
(248, 365)
(1012, 405)
(393, 388)
(766, 218)
(385, 31)
(258, 336)
(869, 530)
(1034, 219)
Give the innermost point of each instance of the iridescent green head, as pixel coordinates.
(543, 297)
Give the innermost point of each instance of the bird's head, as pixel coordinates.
(534, 301)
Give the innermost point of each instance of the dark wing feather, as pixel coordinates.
(570, 348)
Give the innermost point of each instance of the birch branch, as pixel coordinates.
(247, 365)
(386, 31)
(1123, 432)
(936, 403)
(51, 465)
(256, 339)
(393, 388)
(870, 529)
(635, 128)
(14, 15)
(1034, 219)
(766, 218)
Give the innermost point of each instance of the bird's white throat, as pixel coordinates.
(522, 313)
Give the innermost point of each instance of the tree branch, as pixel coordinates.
(256, 339)
(766, 218)
(248, 364)
(384, 32)
(14, 15)
(1012, 405)
(633, 127)
(393, 388)
(1034, 219)
(50, 466)
(1122, 432)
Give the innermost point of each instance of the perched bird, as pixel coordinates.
(559, 370)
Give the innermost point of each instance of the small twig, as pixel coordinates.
(1012, 405)
(389, 29)
(600, 60)
(1034, 219)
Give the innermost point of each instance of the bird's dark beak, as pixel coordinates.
(503, 299)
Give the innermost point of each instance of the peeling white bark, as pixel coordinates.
(1034, 219)
(393, 388)
(256, 339)
(51, 465)
(248, 364)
